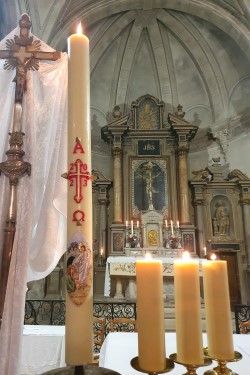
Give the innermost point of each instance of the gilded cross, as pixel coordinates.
(23, 54)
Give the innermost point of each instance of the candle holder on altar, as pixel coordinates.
(173, 237)
(169, 366)
(191, 368)
(222, 366)
(101, 261)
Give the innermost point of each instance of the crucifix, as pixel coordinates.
(22, 54)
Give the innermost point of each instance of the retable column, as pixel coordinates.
(183, 186)
(117, 185)
(184, 132)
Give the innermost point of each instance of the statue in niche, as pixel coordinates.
(221, 219)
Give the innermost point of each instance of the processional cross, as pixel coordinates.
(22, 54)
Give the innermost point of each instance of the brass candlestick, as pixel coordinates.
(191, 368)
(169, 366)
(222, 368)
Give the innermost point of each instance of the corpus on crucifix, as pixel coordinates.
(22, 54)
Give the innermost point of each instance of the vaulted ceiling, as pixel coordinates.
(193, 52)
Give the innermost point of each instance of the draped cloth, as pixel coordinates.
(40, 238)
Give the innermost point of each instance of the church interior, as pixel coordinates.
(170, 135)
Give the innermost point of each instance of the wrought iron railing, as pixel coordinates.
(242, 314)
(52, 312)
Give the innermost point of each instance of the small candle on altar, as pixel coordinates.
(150, 315)
(166, 223)
(101, 252)
(132, 227)
(137, 224)
(126, 223)
(205, 251)
(217, 309)
(188, 311)
(172, 228)
(178, 224)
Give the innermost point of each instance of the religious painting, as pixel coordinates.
(79, 266)
(149, 186)
(118, 242)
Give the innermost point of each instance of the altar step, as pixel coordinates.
(170, 318)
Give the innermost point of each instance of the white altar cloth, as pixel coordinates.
(43, 349)
(120, 347)
(125, 266)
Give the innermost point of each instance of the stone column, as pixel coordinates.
(117, 184)
(103, 203)
(183, 186)
(198, 204)
(102, 185)
(246, 215)
(184, 132)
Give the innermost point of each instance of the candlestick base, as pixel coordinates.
(169, 366)
(222, 366)
(191, 368)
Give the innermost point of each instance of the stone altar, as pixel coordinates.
(120, 271)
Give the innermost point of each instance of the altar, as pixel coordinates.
(120, 277)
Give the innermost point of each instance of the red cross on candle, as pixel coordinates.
(79, 174)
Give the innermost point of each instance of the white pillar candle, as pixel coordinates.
(217, 309)
(150, 315)
(126, 223)
(166, 223)
(178, 224)
(79, 296)
(137, 224)
(188, 312)
(132, 227)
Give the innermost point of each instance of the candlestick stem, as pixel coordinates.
(222, 368)
(191, 368)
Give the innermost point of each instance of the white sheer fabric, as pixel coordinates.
(40, 238)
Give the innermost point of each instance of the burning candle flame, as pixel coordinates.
(79, 28)
(186, 255)
(148, 256)
(213, 257)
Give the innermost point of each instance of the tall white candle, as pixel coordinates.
(217, 309)
(132, 227)
(150, 315)
(188, 311)
(166, 223)
(79, 296)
